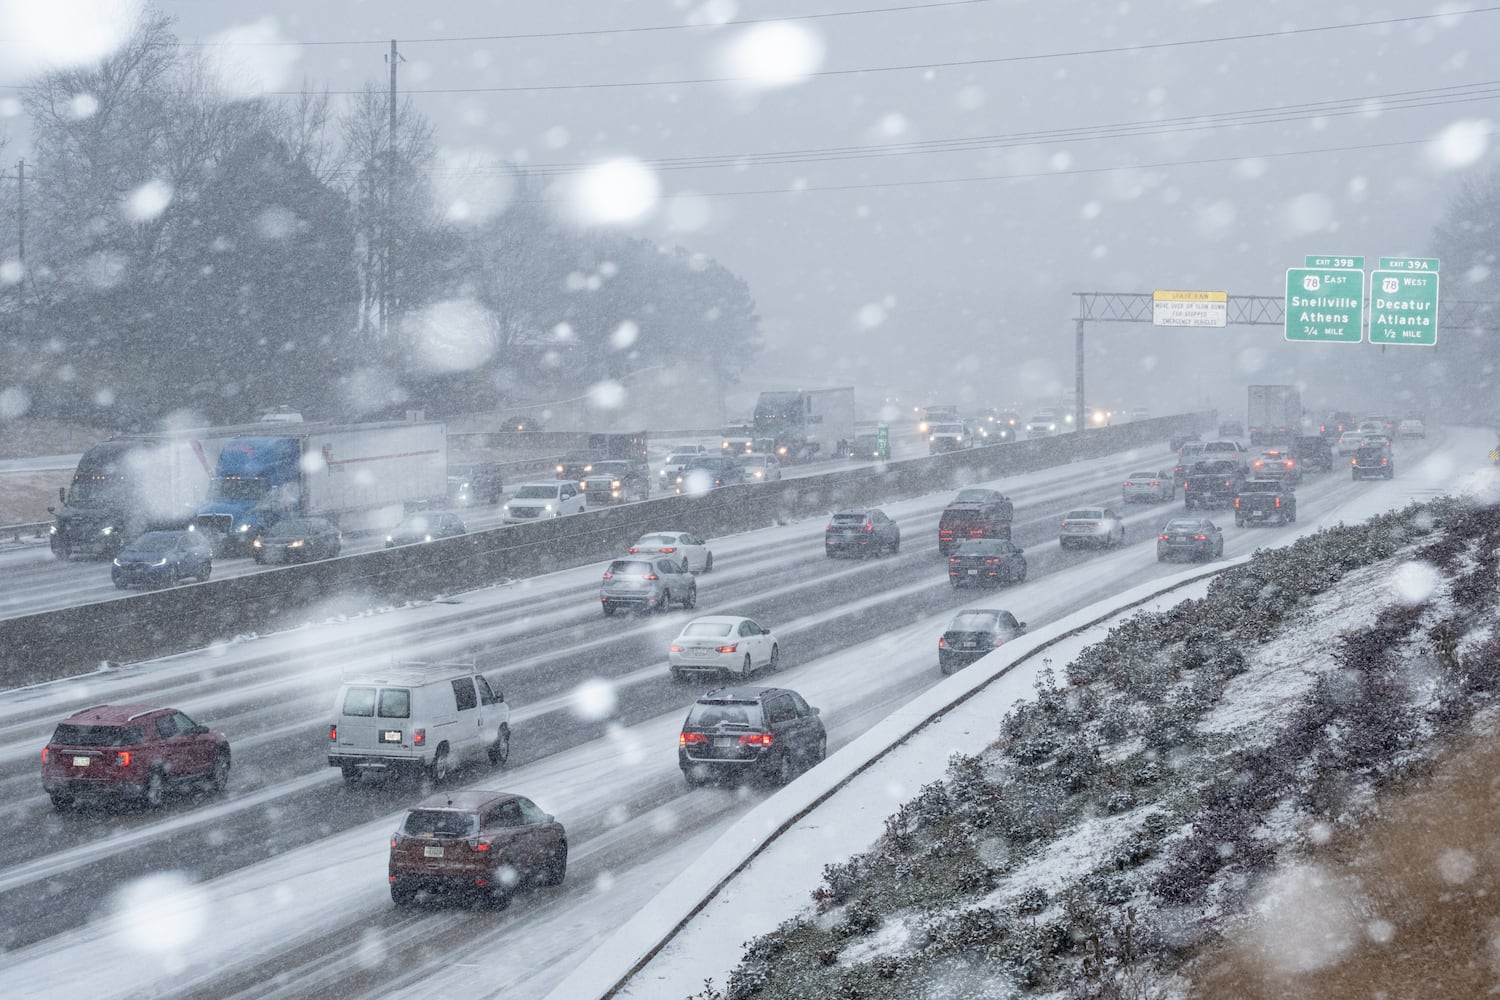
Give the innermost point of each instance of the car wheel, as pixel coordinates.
(1160, 558)
(709, 564)
(1239, 522)
(686, 566)
(1021, 574)
(609, 609)
(437, 771)
(679, 676)
(220, 774)
(203, 574)
(774, 663)
(1354, 476)
(121, 585)
(785, 770)
(822, 753)
(260, 560)
(663, 605)
(748, 668)
(945, 667)
(402, 894)
(154, 792)
(350, 773)
(499, 751)
(61, 801)
(557, 868)
(692, 598)
(896, 545)
(693, 781)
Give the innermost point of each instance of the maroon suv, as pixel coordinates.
(131, 751)
(477, 844)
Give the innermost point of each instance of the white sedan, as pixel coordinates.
(722, 645)
(1149, 487)
(1348, 443)
(761, 467)
(683, 546)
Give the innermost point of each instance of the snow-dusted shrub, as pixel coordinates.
(839, 880)
(1033, 900)
(932, 804)
(1119, 801)
(860, 917)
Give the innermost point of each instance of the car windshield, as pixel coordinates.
(1141, 475)
(629, 567)
(947, 428)
(537, 492)
(856, 518)
(440, 823)
(656, 541)
(69, 734)
(974, 621)
(1260, 486)
(973, 496)
(155, 543)
(978, 547)
(295, 527)
(417, 524)
(681, 458)
(1085, 514)
(724, 714)
(708, 630)
(612, 468)
(754, 460)
(1177, 526)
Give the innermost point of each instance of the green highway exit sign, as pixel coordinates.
(1326, 303)
(1404, 301)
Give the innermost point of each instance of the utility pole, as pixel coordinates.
(21, 249)
(387, 262)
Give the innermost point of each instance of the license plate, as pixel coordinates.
(81, 761)
(973, 572)
(723, 741)
(391, 736)
(700, 651)
(970, 645)
(432, 852)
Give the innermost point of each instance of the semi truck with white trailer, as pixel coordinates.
(805, 424)
(359, 476)
(1273, 413)
(134, 483)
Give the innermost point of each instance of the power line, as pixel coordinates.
(907, 67)
(1072, 171)
(608, 31)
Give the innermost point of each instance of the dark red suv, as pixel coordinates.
(131, 751)
(477, 844)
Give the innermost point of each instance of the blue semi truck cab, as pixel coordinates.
(258, 481)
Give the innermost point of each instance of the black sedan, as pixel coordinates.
(986, 562)
(861, 532)
(298, 539)
(973, 633)
(425, 526)
(161, 558)
(1195, 538)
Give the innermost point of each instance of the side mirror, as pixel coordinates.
(764, 630)
(1020, 624)
(62, 494)
(816, 710)
(197, 730)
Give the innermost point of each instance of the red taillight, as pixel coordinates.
(393, 844)
(122, 759)
(669, 549)
(1161, 538)
(687, 738)
(728, 649)
(1353, 461)
(976, 532)
(633, 550)
(942, 642)
(869, 527)
(652, 576)
(1128, 483)
(1278, 502)
(419, 737)
(333, 733)
(1200, 538)
(609, 576)
(951, 561)
(479, 845)
(1063, 525)
(1236, 503)
(945, 534)
(828, 526)
(1156, 482)
(756, 739)
(674, 648)
(1384, 461)
(991, 560)
(44, 755)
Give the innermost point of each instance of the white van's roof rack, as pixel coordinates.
(436, 664)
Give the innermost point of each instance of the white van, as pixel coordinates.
(427, 718)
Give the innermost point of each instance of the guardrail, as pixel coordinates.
(36, 529)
